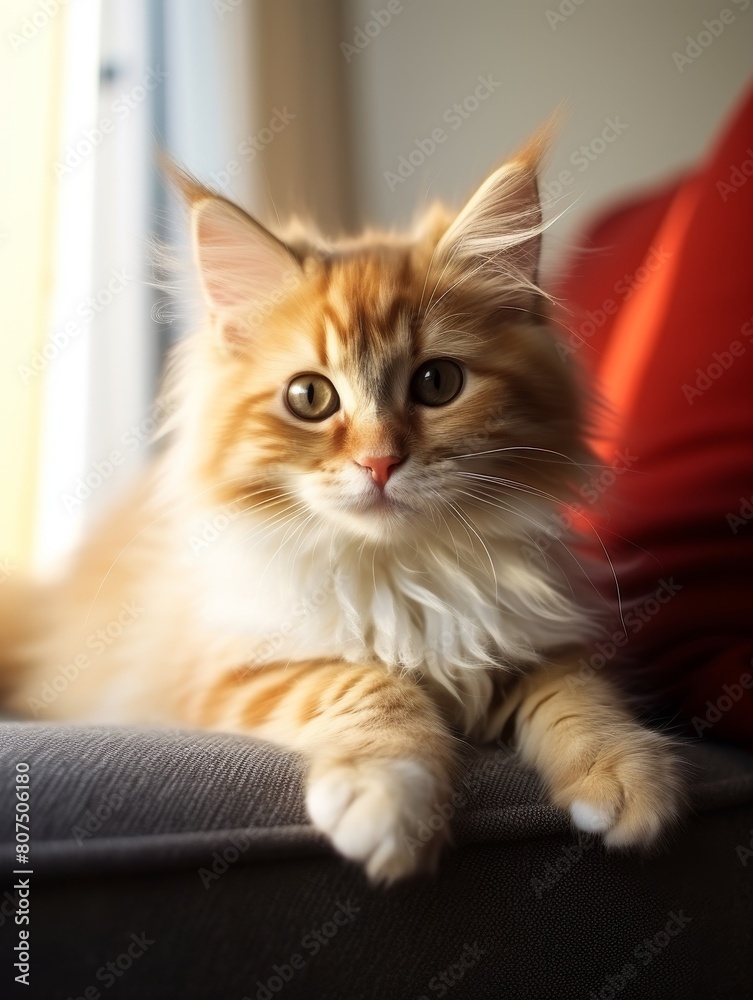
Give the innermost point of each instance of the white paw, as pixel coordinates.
(628, 792)
(589, 818)
(385, 815)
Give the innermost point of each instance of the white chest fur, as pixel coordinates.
(426, 605)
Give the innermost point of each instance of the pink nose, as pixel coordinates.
(380, 466)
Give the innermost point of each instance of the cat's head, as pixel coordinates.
(386, 384)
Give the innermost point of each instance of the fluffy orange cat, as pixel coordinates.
(366, 439)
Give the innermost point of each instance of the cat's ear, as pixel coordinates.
(497, 235)
(241, 264)
(244, 269)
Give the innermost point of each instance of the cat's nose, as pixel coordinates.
(381, 467)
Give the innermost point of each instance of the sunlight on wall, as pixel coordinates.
(31, 68)
(65, 409)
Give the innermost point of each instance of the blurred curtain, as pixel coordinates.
(309, 168)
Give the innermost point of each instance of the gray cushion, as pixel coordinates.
(200, 841)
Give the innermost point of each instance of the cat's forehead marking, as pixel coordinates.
(369, 343)
(369, 316)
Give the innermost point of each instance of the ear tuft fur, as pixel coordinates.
(497, 235)
(244, 269)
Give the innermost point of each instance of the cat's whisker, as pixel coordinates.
(276, 518)
(449, 529)
(522, 488)
(426, 278)
(315, 545)
(266, 528)
(373, 566)
(453, 507)
(535, 544)
(567, 550)
(270, 501)
(568, 459)
(513, 485)
(493, 501)
(285, 503)
(265, 489)
(451, 258)
(297, 539)
(508, 508)
(510, 484)
(288, 525)
(301, 539)
(434, 513)
(466, 276)
(278, 550)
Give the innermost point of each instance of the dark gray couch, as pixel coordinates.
(184, 860)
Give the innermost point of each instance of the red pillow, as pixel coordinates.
(661, 309)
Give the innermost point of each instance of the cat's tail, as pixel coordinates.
(24, 610)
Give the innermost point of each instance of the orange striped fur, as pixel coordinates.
(266, 579)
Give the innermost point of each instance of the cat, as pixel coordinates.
(366, 438)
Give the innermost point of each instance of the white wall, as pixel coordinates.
(607, 59)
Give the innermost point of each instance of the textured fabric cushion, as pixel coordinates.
(199, 841)
(127, 798)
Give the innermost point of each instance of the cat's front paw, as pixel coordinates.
(628, 789)
(386, 815)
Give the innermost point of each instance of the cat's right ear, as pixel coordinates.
(244, 269)
(496, 238)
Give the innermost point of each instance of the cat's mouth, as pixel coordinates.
(378, 502)
(366, 508)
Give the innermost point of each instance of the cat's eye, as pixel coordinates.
(436, 382)
(312, 397)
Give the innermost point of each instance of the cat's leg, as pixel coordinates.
(380, 756)
(612, 775)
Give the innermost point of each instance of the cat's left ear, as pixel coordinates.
(244, 269)
(498, 234)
